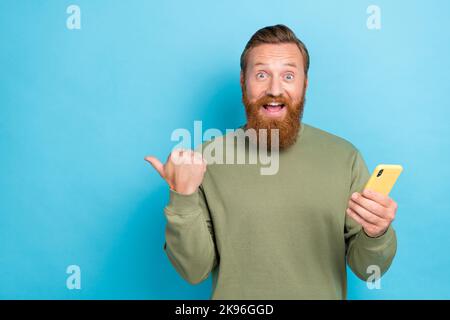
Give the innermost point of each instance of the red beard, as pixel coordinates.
(288, 126)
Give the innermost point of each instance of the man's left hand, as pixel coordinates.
(373, 211)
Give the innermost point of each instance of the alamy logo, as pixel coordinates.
(74, 20)
(374, 280)
(374, 20)
(74, 279)
(231, 147)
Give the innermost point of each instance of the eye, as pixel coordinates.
(289, 76)
(261, 75)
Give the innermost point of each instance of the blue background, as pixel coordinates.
(79, 110)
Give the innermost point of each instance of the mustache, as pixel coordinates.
(272, 99)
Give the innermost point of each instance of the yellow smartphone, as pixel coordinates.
(383, 178)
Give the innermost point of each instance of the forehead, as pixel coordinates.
(272, 54)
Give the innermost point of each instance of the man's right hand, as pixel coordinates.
(183, 170)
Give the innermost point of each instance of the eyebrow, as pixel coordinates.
(290, 64)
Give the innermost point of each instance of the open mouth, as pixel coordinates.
(274, 108)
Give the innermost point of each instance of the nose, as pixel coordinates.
(275, 88)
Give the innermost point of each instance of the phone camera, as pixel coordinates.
(380, 173)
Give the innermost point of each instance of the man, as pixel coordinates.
(286, 235)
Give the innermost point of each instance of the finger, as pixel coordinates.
(187, 157)
(369, 205)
(364, 213)
(181, 151)
(180, 156)
(365, 224)
(156, 164)
(380, 198)
(177, 156)
(197, 158)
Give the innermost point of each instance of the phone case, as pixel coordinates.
(384, 181)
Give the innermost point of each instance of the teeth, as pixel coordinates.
(274, 104)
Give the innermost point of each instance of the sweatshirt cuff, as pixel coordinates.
(183, 204)
(377, 243)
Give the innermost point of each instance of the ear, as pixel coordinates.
(306, 83)
(242, 79)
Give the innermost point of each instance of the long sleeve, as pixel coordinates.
(189, 241)
(363, 251)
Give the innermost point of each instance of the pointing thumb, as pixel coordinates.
(156, 164)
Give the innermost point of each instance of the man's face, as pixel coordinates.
(273, 90)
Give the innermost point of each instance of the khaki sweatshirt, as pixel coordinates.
(277, 236)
